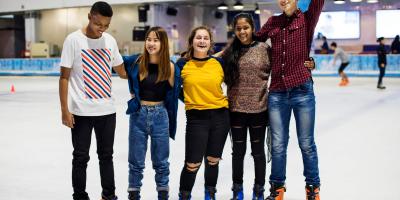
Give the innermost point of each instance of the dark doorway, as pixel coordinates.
(12, 36)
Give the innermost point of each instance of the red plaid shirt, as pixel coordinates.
(291, 39)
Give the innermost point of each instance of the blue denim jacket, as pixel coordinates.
(171, 99)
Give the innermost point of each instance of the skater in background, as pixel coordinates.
(395, 47)
(86, 97)
(152, 110)
(381, 51)
(175, 40)
(207, 113)
(344, 59)
(325, 46)
(292, 89)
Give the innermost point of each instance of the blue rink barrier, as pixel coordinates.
(30, 67)
(360, 65)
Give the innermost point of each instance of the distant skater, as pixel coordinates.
(381, 51)
(344, 58)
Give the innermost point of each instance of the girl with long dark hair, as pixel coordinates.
(247, 68)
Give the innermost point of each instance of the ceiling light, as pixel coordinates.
(257, 11)
(222, 6)
(339, 2)
(238, 6)
(355, 1)
(372, 1)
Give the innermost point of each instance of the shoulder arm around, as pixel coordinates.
(180, 63)
(120, 69)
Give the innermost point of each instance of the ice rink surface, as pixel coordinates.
(357, 134)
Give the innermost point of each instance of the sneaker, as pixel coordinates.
(209, 193)
(258, 192)
(237, 190)
(342, 83)
(184, 195)
(312, 192)
(276, 192)
(163, 195)
(134, 195)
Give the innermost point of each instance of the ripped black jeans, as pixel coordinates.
(256, 123)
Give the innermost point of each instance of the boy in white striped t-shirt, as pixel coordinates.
(87, 103)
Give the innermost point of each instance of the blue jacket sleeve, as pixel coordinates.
(129, 61)
(180, 64)
(171, 103)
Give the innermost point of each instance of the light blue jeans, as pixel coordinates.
(301, 101)
(149, 121)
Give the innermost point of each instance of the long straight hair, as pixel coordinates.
(232, 55)
(189, 53)
(164, 69)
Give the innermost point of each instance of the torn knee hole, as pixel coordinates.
(255, 141)
(212, 160)
(238, 141)
(192, 167)
(237, 127)
(212, 163)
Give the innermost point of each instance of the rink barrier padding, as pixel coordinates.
(360, 65)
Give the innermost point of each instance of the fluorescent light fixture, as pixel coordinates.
(7, 16)
(372, 1)
(339, 2)
(222, 6)
(238, 6)
(355, 1)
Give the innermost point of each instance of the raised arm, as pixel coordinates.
(312, 16)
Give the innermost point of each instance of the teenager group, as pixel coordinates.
(156, 84)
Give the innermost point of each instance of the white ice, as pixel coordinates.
(357, 134)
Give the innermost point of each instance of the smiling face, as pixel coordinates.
(244, 31)
(153, 44)
(202, 41)
(97, 25)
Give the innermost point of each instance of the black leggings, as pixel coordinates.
(256, 123)
(381, 74)
(206, 133)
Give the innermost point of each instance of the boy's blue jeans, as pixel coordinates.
(301, 101)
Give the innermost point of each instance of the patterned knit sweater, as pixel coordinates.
(250, 92)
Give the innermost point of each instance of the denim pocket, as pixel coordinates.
(162, 115)
(307, 86)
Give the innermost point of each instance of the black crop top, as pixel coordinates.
(149, 90)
